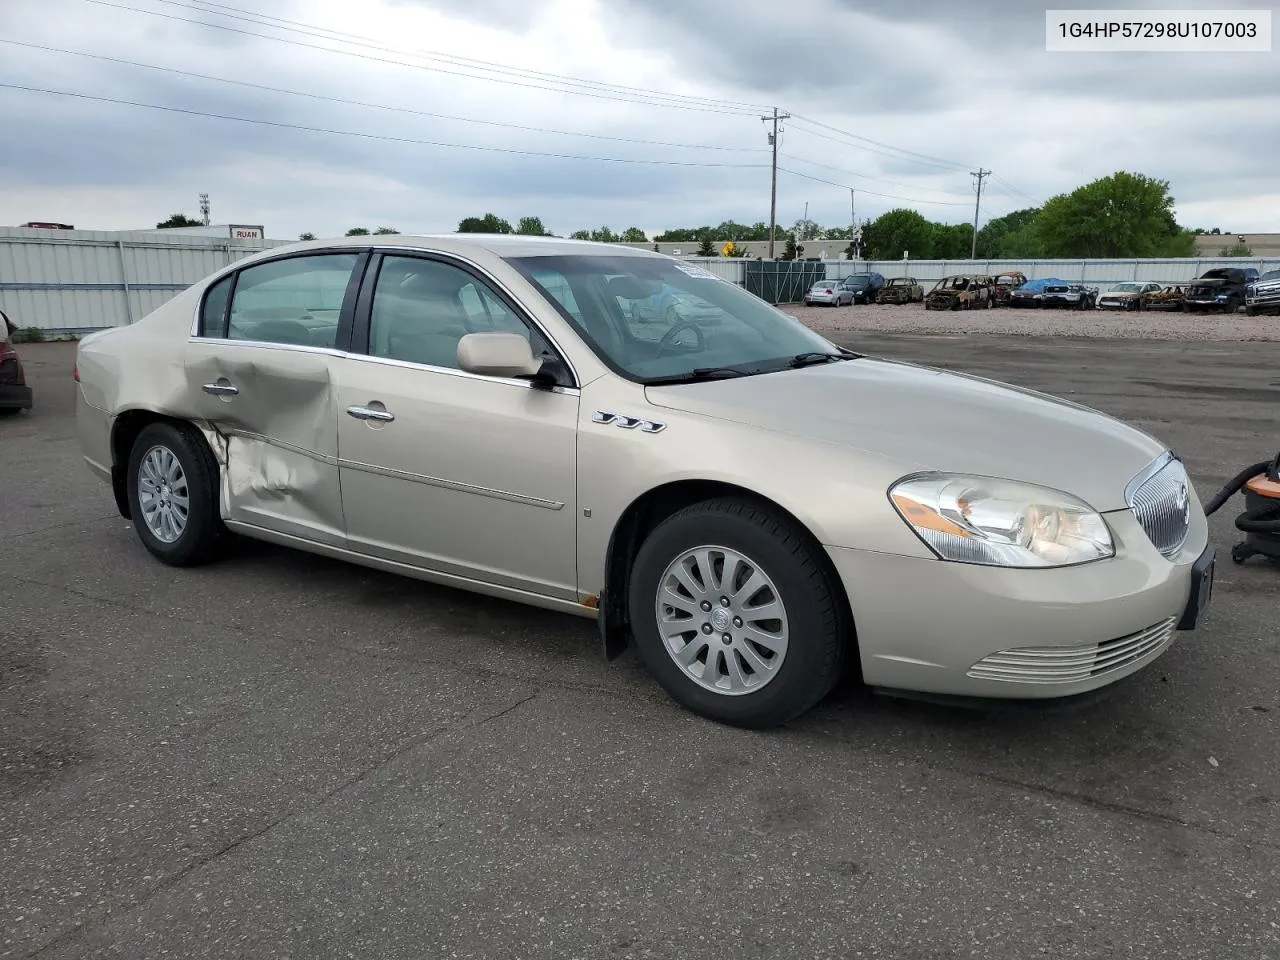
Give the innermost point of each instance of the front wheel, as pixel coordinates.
(173, 495)
(736, 615)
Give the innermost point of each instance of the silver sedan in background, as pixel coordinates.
(829, 292)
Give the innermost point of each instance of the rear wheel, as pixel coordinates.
(736, 615)
(173, 495)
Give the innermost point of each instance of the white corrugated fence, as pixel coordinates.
(67, 282)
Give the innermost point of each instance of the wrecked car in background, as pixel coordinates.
(1130, 295)
(1263, 294)
(1031, 293)
(1166, 298)
(1006, 283)
(901, 290)
(1074, 295)
(1052, 292)
(966, 291)
(1221, 288)
(15, 395)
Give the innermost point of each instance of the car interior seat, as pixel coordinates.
(417, 315)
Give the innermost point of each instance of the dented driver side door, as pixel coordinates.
(260, 374)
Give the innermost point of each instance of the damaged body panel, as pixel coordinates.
(274, 408)
(960, 292)
(1005, 283)
(1222, 289)
(901, 290)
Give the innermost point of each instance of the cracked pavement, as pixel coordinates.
(285, 756)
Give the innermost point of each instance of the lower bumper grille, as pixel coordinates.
(1073, 664)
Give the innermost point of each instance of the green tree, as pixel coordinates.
(604, 235)
(952, 241)
(634, 235)
(489, 223)
(1237, 250)
(1181, 244)
(806, 230)
(1123, 215)
(706, 245)
(1011, 237)
(358, 232)
(580, 235)
(889, 234)
(178, 220)
(306, 236)
(386, 231)
(532, 227)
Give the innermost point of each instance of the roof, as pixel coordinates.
(499, 244)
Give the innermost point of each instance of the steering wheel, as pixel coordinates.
(669, 337)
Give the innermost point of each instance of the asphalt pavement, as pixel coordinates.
(284, 756)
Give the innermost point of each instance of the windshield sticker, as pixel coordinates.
(698, 273)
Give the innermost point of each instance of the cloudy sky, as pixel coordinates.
(416, 113)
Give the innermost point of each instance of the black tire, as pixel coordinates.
(204, 536)
(819, 634)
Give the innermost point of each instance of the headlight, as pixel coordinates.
(1001, 523)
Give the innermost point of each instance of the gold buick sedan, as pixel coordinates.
(752, 507)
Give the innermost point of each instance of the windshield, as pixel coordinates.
(857, 280)
(650, 318)
(1127, 288)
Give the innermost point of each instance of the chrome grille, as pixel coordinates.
(1072, 664)
(1160, 498)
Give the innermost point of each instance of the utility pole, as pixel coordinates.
(980, 174)
(204, 209)
(773, 190)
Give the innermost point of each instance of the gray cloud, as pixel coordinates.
(970, 84)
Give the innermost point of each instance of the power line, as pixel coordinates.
(862, 176)
(297, 26)
(375, 136)
(887, 146)
(845, 186)
(374, 106)
(882, 153)
(650, 102)
(1011, 187)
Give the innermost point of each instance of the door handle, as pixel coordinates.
(220, 389)
(367, 413)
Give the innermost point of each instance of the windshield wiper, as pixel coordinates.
(700, 373)
(815, 356)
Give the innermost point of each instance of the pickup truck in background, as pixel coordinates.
(1222, 288)
(1263, 294)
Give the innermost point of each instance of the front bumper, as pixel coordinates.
(15, 396)
(963, 630)
(1208, 303)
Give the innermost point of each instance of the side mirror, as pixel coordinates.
(497, 355)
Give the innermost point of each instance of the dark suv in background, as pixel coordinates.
(863, 286)
(1222, 288)
(15, 395)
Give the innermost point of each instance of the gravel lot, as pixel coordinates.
(1139, 325)
(283, 756)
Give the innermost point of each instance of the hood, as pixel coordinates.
(925, 419)
(1121, 295)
